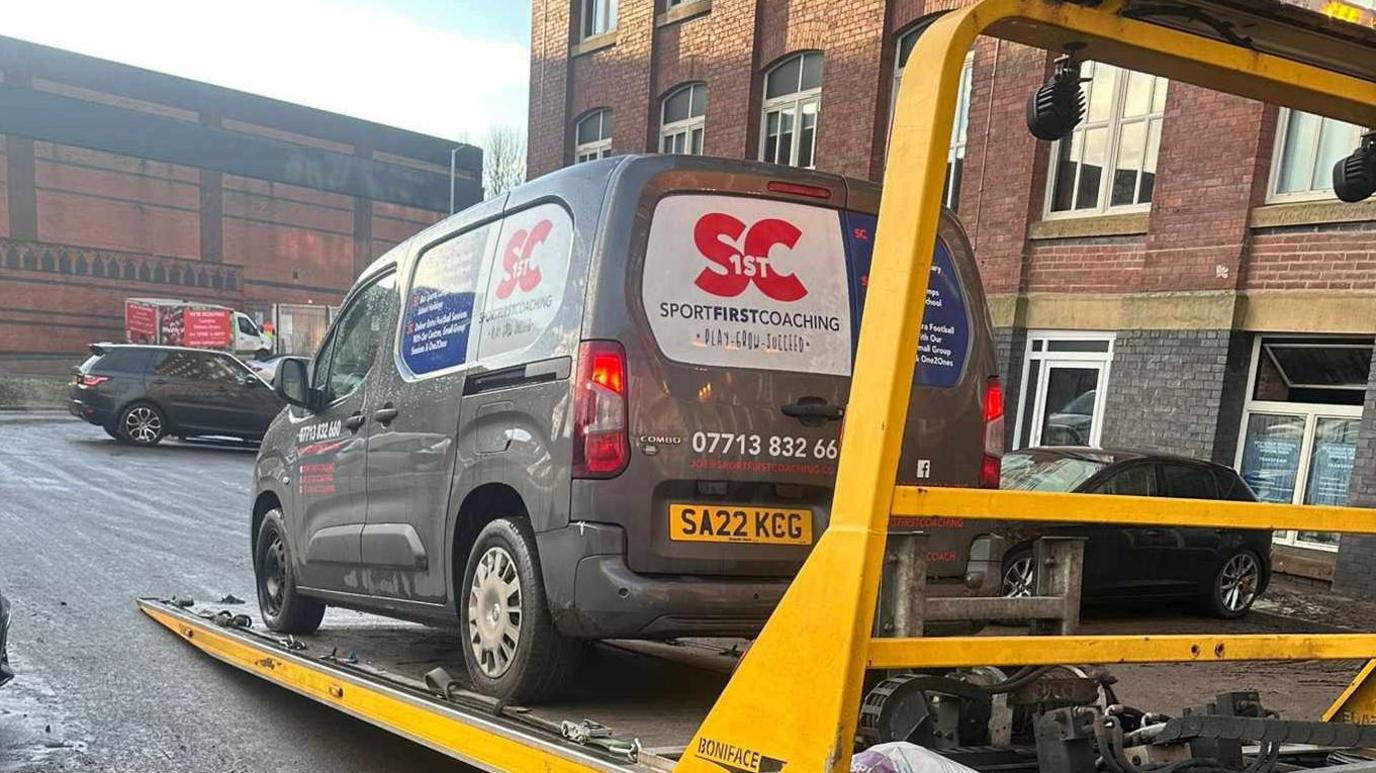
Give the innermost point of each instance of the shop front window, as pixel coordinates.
(1299, 428)
(1062, 400)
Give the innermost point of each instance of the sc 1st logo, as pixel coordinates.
(518, 260)
(739, 256)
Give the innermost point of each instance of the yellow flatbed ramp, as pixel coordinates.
(651, 697)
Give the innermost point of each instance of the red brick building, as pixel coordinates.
(117, 182)
(1177, 276)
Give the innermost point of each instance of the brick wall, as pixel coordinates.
(709, 49)
(1165, 391)
(1355, 571)
(1329, 257)
(83, 227)
(1205, 186)
(1097, 265)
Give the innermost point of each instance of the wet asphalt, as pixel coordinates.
(86, 526)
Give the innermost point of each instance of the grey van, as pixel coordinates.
(607, 405)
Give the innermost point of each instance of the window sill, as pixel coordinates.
(1322, 211)
(683, 12)
(594, 43)
(1129, 224)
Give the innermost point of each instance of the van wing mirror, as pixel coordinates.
(292, 383)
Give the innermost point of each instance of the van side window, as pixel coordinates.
(441, 302)
(363, 326)
(246, 326)
(527, 283)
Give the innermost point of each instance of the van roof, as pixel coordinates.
(592, 178)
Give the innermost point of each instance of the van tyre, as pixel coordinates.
(510, 645)
(141, 424)
(1236, 584)
(283, 607)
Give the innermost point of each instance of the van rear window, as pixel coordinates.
(737, 282)
(772, 285)
(945, 342)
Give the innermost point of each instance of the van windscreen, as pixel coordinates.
(730, 281)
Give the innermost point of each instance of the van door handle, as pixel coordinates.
(385, 414)
(816, 411)
(355, 421)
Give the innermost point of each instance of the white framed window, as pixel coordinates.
(1109, 163)
(960, 129)
(596, 17)
(1298, 437)
(792, 104)
(1307, 147)
(593, 136)
(682, 121)
(1064, 381)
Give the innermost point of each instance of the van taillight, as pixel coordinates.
(600, 446)
(991, 462)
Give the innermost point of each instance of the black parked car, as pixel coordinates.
(1225, 568)
(141, 394)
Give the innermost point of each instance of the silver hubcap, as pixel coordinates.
(1020, 578)
(143, 424)
(1238, 581)
(494, 612)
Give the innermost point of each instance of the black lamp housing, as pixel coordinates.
(1055, 109)
(1354, 177)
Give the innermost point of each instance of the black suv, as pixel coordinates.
(141, 394)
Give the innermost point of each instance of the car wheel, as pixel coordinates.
(1236, 585)
(510, 645)
(284, 609)
(141, 424)
(1019, 575)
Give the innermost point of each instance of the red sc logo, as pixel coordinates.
(717, 235)
(519, 264)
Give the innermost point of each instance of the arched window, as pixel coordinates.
(681, 120)
(792, 103)
(593, 136)
(955, 158)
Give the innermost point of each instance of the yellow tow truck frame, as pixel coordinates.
(793, 702)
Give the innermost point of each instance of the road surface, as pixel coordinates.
(86, 525)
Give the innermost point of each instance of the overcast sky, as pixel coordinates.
(451, 68)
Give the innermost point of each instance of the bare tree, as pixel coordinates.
(504, 159)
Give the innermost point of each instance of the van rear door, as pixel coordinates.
(738, 387)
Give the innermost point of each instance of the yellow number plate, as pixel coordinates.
(740, 523)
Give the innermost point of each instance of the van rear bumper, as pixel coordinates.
(592, 594)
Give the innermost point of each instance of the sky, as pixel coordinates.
(451, 68)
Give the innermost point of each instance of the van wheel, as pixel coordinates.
(262, 354)
(284, 609)
(510, 645)
(141, 424)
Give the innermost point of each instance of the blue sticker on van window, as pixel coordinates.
(439, 309)
(945, 325)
